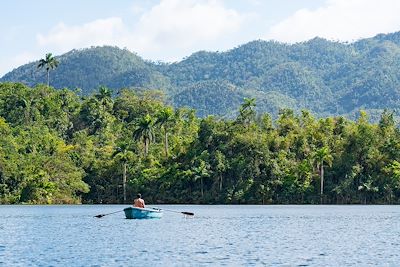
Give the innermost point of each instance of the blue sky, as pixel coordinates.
(169, 30)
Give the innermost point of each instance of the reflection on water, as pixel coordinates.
(217, 235)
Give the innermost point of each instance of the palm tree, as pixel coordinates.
(201, 172)
(104, 96)
(323, 155)
(145, 131)
(49, 62)
(246, 111)
(367, 188)
(123, 155)
(164, 119)
(220, 167)
(249, 103)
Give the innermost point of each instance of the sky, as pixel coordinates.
(169, 30)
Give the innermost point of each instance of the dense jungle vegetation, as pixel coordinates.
(58, 147)
(325, 77)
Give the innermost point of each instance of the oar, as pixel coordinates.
(102, 215)
(183, 212)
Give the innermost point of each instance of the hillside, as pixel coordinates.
(326, 77)
(88, 69)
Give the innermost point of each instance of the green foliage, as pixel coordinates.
(88, 69)
(328, 78)
(210, 98)
(144, 131)
(57, 147)
(48, 63)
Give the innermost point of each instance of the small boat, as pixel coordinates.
(142, 213)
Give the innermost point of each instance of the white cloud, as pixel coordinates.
(24, 57)
(345, 20)
(16, 61)
(137, 9)
(98, 32)
(167, 31)
(175, 28)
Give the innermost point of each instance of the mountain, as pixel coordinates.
(326, 77)
(88, 69)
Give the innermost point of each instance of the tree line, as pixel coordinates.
(59, 147)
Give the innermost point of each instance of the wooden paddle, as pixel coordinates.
(183, 212)
(102, 215)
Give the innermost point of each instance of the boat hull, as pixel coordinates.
(140, 213)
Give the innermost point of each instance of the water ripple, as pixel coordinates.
(217, 236)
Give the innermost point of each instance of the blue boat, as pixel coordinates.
(140, 213)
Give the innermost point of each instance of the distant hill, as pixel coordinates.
(90, 68)
(328, 78)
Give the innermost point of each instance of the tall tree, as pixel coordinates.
(123, 155)
(49, 63)
(323, 155)
(164, 119)
(104, 96)
(145, 131)
(247, 113)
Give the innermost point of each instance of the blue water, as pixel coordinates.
(216, 236)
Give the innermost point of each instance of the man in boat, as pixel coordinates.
(138, 202)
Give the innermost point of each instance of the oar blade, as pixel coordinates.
(102, 215)
(187, 213)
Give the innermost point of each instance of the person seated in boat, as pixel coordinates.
(138, 202)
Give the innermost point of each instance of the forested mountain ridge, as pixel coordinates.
(328, 78)
(87, 69)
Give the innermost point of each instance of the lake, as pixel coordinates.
(216, 236)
